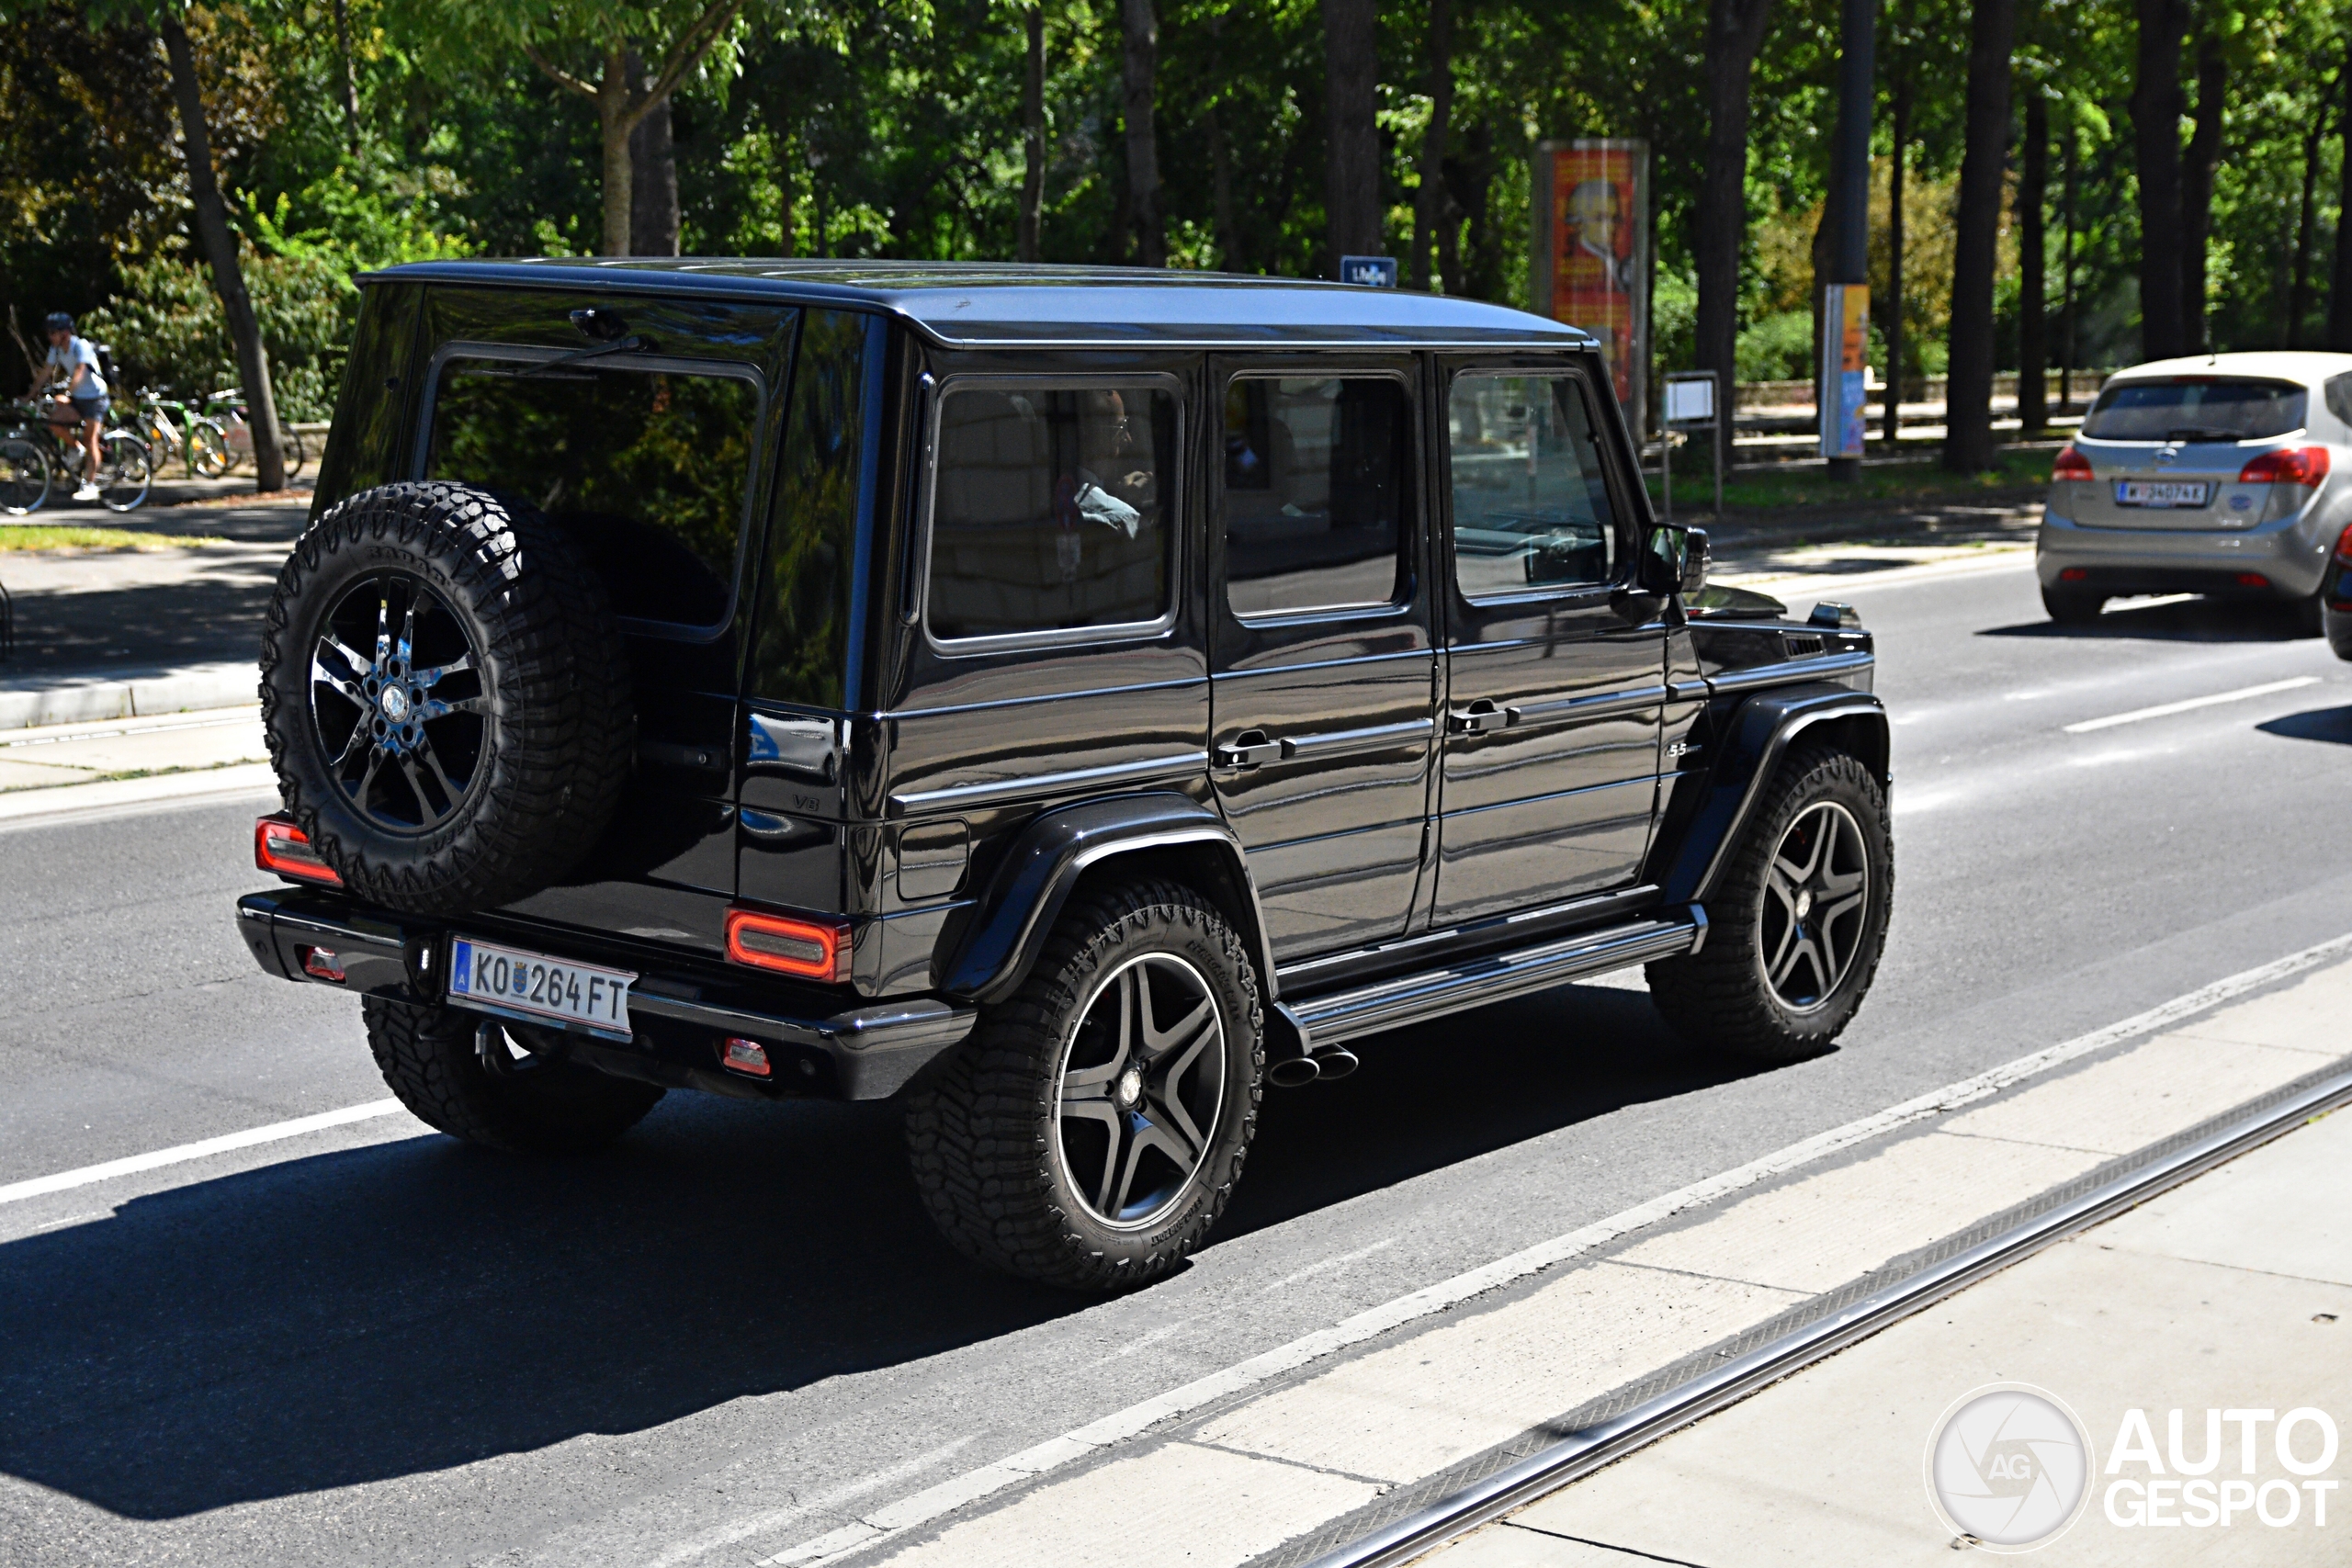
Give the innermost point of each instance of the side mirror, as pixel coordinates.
(1676, 562)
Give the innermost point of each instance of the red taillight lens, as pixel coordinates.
(2071, 465)
(2253, 580)
(2074, 574)
(2343, 546)
(814, 949)
(2288, 466)
(279, 847)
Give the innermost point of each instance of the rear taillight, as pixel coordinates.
(279, 847)
(2071, 465)
(811, 949)
(2289, 466)
(2343, 546)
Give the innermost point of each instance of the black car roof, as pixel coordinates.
(995, 305)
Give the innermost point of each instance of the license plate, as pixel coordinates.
(491, 978)
(2161, 492)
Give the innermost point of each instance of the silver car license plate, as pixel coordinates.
(488, 978)
(2161, 492)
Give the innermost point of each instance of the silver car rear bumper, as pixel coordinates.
(2289, 555)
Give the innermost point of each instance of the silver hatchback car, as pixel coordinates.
(2210, 475)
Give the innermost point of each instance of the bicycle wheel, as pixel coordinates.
(24, 476)
(207, 448)
(295, 453)
(125, 470)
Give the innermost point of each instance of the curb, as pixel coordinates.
(78, 699)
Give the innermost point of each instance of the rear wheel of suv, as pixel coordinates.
(503, 1086)
(446, 698)
(1795, 930)
(2073, 607)
(1091, 1131)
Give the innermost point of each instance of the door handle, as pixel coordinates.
(1248, 750)
(1480, 719)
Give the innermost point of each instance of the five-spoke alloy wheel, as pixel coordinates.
(1142, 1088)
(1814, 912)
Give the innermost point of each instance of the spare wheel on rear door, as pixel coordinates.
(446, 695)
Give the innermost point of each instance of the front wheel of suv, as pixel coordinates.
(1795, 930)
(1091, 1131)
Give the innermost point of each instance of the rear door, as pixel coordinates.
(1321, 653)
(1555, 669)
(2166, 453)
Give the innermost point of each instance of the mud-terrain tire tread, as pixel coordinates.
(1717, 998)
(561, 737)
(428, 1056)
(977, 1129)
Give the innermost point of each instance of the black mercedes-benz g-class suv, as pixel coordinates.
(1068, 701)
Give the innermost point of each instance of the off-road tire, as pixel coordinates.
(558, 731)
(980, 1129)
(1719, 996)
(428, 1055)
(2071, 606)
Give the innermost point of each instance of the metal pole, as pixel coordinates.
(1719, 436)
(1849, 168)
(1666, 463)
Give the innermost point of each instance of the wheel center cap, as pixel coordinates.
(1804, 903)
(395, 702)
(1130, 1087)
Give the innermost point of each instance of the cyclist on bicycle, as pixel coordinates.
(84, 398)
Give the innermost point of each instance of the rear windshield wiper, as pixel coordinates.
(633, 343)
(2201, 432)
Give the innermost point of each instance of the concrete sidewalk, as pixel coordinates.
(2231, 1293)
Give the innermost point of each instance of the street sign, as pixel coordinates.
(1689, 402)
(1373, 272)
(1691, 399)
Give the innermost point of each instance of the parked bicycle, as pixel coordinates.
(197, 438)
(35, 454)
(229, 409)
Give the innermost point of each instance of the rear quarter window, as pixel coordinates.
(2195, 409)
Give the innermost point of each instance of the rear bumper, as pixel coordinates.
(2290, 558)
(682, 1011)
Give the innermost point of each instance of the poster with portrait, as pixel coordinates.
(1593, 256)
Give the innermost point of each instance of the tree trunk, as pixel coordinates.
(1033, 138)
(2155, 133)
(1735, 33)
(653, 175)
(786, 177)
(2299, 278)
(1899, 117)
(2033, 323)
(1429, 199)
(1143, 148)
(2339, 294)
(1976, 222)
(1229, 232)
(2197, 189)
(614, 125)
(2066, 359)
(219, 246)
(1352, 177)
(350, 79)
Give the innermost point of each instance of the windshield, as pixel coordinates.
(2195, 410)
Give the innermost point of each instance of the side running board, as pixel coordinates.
(1415, 998)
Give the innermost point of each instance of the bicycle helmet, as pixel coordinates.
(57, 322)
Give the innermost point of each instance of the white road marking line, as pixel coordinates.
(2164, 710)
(777, 1518)
(155, 1160)
(52, 805)
(912, 1513)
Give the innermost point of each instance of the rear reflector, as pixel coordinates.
(2071, 465)
(320, 965)
(2253, 580)
(747, 1056)
(279, 847)
(2288, 466)
(814, 949)
(2073, 574)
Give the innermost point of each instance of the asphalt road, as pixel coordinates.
(375, 1345)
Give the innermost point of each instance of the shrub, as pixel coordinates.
(168, 332)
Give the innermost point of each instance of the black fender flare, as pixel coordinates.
(1754, 738)
(989, 952)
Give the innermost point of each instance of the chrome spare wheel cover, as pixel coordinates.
(1140, 1090)
(1815, 905)
(401, 726)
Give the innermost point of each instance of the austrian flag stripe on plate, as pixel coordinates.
(491, 979)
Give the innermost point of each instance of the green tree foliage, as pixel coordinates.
(167, 331)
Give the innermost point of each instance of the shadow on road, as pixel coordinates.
(418, 1305)
(2176, 620)
(2313, 724)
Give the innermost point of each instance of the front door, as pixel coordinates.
(1322, 658)
(1555, 669)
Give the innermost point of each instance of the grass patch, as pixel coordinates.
(1762, 490)
(35, 536)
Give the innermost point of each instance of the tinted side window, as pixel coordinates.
(1530, 503)
(801, 642)
(1315, 480)
(2339, 397)
(648, 468)
(1050, 508)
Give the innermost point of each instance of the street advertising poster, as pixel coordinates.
(1592, 261)
(1845, 358)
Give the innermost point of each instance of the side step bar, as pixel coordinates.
(1414, 998)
